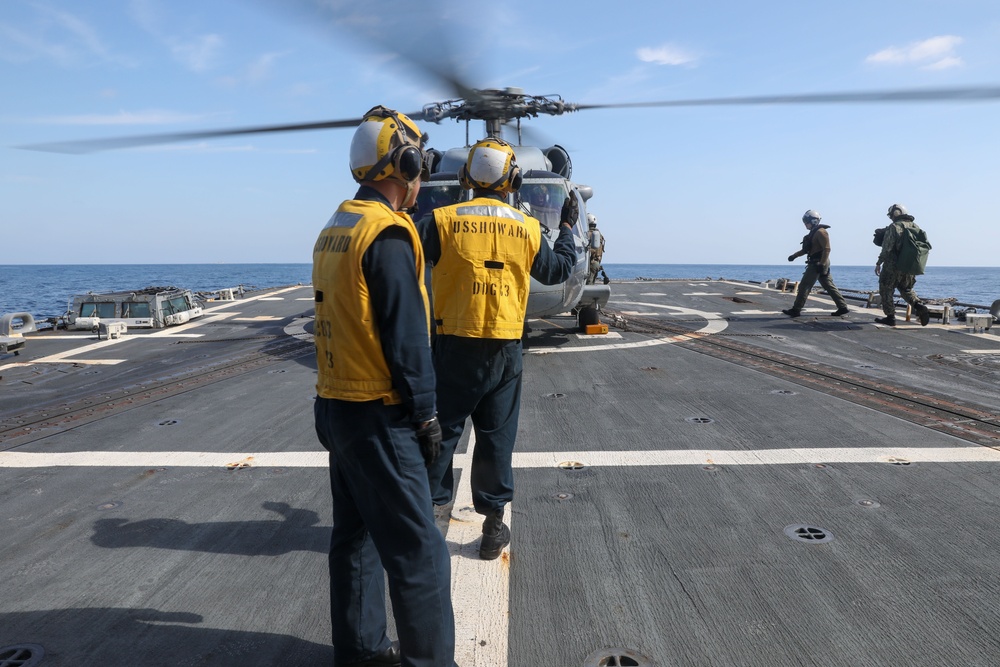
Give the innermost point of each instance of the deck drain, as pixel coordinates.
(906, 347)
(110, 505)
(811, 534)
(699, 420)
(649, 368)
(864, 502)
(865, 366)
(617, 657)
(167, 422)
(784, 392)
(555, 395)
(279, 370)
(562, 496)
(571, 465)
(21, 655)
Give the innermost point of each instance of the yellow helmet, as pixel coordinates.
(387, 144)
(491, 166)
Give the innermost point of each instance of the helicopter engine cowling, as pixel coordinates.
(560, 161)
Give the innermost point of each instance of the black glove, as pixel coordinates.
(429, 437)
(791, 258)
(570, 211)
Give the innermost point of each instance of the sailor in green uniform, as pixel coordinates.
(890, 277)
(816, 248)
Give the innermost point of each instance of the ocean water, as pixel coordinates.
(45, 290)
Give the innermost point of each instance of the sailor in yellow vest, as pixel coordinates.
(375, 410)
(484, 253)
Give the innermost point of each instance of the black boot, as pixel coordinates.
(923, 313)
(496, 536)
(888, 320)
(390, 657)
(791, 312)
(840, 311)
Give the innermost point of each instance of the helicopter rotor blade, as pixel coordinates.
(417, 33)
(973, 93)
(114, 143)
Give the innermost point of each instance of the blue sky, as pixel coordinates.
(671, 185)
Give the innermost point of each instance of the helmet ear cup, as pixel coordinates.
(514, 177)
(463, 177)
(408, 163)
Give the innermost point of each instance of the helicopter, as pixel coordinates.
(548, 172)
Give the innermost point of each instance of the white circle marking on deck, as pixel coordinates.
(713, 325)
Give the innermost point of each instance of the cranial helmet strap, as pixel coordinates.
(378, 167)
(495, 185)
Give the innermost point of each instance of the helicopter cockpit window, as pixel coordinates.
(543, 201)
(433, 196)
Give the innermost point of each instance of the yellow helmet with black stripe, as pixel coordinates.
(491, 165)
(387, 144)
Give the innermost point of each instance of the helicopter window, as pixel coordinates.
(135, 309)
(435, 196)
(97, 309)
(543, 201)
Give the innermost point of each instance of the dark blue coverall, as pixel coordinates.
(481, 378)
(382, 513)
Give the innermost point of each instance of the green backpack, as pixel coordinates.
(913, 250)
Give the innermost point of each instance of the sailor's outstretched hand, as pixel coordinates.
(570, 211)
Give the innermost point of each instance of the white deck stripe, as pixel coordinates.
(714, 324)
(480, 589)
(525, 460)
(760, 456)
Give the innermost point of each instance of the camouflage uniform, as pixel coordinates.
(816, 247)
(890, 279)
(596, 256)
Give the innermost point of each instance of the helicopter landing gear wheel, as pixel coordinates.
(587, 315)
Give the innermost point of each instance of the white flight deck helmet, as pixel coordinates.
(897, 211)
(387, 144)
(811, 217)
(591, 220)
(491, 166)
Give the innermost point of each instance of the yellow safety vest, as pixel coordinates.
(482, 279)
(348, 348)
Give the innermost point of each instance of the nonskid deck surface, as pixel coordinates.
(711, 483)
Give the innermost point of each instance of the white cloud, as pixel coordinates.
(936, 53)
(199, 54)
(666, 54)
(57, 36)
(945, 63)
(257, 71)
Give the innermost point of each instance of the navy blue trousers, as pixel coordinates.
(383, 521)
(478, 378)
